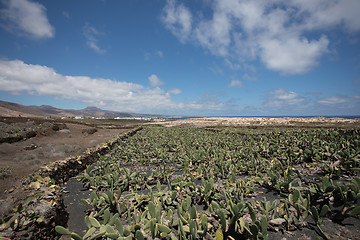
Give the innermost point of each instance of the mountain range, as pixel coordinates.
(9, 109)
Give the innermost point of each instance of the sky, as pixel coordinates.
(193, 57)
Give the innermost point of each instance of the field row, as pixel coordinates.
(186, 183)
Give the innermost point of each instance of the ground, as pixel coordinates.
(255, 122)
(27, 144)
(24, 157)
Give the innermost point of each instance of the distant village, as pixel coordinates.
(118, 118)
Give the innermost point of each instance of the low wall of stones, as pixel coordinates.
(61, 171)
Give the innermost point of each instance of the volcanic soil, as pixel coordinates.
(39, 142)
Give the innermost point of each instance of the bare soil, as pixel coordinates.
(26, 154)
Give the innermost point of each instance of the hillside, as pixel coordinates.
(9, 109)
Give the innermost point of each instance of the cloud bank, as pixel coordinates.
(17, 77)
(338, 100)
(287, 36)
(27, 18)
(281, 101)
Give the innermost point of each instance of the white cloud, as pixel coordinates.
(178, 19)
(232, 65)
(155, 81)
(328, 13)
(280, 98)
(336, 100)
(279, 33)
(208, 102)
(215, 34)
(28, 18)
(18, 77)
(235, 83)
(339, 105)
(91, 34)
(292, 55)
(175, 91)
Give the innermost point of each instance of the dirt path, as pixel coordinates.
(20, 159)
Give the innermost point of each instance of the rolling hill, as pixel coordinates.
(9, 109)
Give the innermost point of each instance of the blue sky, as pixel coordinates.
(199, 57)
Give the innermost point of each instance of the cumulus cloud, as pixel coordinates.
(325, 14)
(280, 98)
(293, 56)
(91, 34)
(214, 34)
(279, 33)
(178, 19)
(155, 81)
(175, 91)
(17, 77)
(27, 18)
(235, 83)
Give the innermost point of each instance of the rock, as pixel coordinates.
(65, 131)
(59, 126)
(90, 131)
(47, 125)
(30, 147)
(277, 221)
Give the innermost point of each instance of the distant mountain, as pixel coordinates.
(9, 109)
(92, 109)
(46, 109)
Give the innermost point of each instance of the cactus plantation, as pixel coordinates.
(223, 183)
